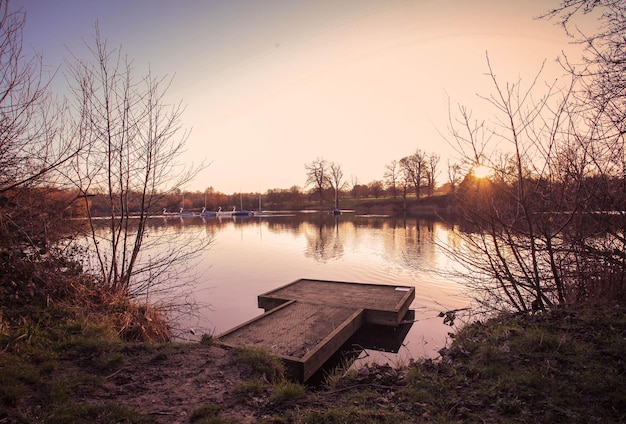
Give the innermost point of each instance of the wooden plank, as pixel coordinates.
(385, 304)
(303, 335)
(314, 360)
(253, 320)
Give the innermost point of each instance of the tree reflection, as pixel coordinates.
(324, 241)
(326, 236)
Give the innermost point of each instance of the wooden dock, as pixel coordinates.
(307, 321)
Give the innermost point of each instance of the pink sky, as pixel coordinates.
(272, 85)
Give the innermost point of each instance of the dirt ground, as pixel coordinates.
(170, 385)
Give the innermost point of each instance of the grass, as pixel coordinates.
(250, 388)
(334, 376)
(261, 363)
(553, 367)
(207, 414)
(566, 365)
(563, 366)
(286, 391)
(35, 383)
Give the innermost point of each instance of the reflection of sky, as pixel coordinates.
(272, 85)
(253, 256)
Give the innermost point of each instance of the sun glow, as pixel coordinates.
(481, 171)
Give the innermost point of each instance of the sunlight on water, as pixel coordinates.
(250, 256)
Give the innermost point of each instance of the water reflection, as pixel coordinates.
(381, 337)
(323, 240)
(252, 255)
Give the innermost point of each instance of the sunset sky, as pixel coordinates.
(272, 85)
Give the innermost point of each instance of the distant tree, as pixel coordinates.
(208, 196)
(355, 187)
(187, 202)
(336, 180)
(414, 169)
(317, 176)
(134, 141)
(405, 185)
(392, 174)
(284, 199)
(454, 176)
(432, 163)
(296, 197)
(377, 188)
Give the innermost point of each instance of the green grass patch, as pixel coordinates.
(103, 413)
(206, 414)
(561, 366)
(261, 363)
(249, 388)
(287, 390)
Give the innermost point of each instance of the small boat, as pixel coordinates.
(205, 212)
(243, 212)
(220, 212)
(166, 213)
(183, 212)
(336, 211)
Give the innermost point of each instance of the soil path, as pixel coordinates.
(172, 383)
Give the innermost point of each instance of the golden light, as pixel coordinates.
(481, 171)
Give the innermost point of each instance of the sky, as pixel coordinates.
(271, 85)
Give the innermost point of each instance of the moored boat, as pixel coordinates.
(205, 212)
(243, 212)
(220, 212)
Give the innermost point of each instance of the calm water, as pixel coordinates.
(252, 255)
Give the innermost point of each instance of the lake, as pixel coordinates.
(249, 256)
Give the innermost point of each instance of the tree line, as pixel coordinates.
(414, 175)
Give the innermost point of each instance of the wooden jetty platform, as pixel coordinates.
(307, 321)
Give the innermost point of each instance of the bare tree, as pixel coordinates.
(317, 176)
(414, 168)
(34, 143)
(32, 140)
(538, 229)
(392, 174)
(432, 163)
(336, 180)
(454, 176)
(356, 187)
(468, 133)
(604, 62)
(134, 143)
(404, 184)
(595, 154)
